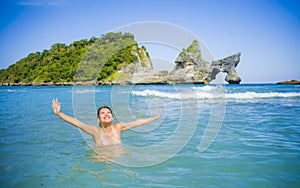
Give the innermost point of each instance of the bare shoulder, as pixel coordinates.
(93, 129)
(118, 126)
(121, 126)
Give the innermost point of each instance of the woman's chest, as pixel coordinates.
(109, 138)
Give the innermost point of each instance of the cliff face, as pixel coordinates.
(189, 68)
(227, 65)
(135, 72)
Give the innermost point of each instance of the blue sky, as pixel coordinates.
(266, 32)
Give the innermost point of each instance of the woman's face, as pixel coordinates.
(105, 115)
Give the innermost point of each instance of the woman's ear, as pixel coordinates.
(98, 119)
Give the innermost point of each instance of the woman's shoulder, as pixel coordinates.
(118, 125)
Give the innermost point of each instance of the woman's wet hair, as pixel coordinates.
(107, 107)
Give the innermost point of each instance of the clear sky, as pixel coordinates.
(266, 32)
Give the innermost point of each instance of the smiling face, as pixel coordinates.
(105, 115)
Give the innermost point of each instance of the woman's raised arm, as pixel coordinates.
(139, 122)
(73, 121)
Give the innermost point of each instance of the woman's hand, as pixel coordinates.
(157, 115)
(55, 106)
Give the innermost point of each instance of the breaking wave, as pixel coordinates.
(215, 95)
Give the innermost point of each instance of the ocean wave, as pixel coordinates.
(12, 91)
(255, 95)
(83, 91)
(214, 95)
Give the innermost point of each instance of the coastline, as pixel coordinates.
(73, 84)
(93, 83)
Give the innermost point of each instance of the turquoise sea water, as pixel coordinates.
(250, 136)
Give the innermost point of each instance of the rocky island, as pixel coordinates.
(114, 58)
(189, 68)
(289, 82)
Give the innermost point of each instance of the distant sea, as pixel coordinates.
(250, 136)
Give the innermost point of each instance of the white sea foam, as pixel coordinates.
(155, 93)
(83, 91)
(13, 91)
(214, 95)
(254, 95)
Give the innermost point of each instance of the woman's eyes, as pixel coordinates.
(105, 112)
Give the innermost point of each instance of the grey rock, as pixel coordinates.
(189, 68)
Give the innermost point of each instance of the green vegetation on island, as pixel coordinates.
(114, 58)
(92, 60)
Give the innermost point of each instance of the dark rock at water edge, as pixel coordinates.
(289, 82)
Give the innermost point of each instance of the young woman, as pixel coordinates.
(106, 133)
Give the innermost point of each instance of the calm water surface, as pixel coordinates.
(257, 145)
